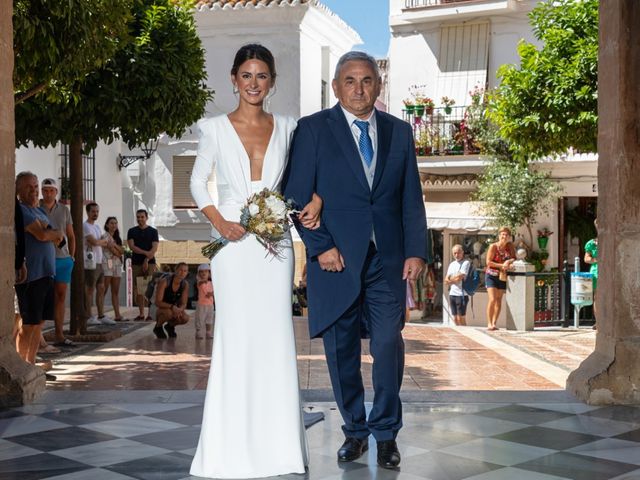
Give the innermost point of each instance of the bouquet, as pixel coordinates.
(265, 215)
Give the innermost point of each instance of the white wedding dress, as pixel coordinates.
(252, 424)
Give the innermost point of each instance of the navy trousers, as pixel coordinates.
(378, 310)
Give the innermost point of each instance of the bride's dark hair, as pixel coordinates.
(254, 51)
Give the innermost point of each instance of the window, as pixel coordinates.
(463, 60)
(182, 167)
(88, 170)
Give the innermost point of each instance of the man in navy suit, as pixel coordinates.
(372, 239)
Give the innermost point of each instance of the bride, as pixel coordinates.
(252, 424)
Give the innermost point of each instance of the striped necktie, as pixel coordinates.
(364, 144)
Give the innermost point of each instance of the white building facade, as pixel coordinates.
(450, 48)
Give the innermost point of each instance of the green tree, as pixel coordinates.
(57, 43)
(514, 194)
(153, 84)
(549, 102)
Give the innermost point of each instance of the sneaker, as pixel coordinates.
(93, 320)
(104, 320)
(171, 330)
(159, 332)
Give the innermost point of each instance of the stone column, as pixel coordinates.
(611, 374)
(520, 297)
(19, 381)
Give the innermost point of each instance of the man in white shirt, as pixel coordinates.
(93, 277)
(456, 273)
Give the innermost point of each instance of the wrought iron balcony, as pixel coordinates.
(440, 131)
(431, 3)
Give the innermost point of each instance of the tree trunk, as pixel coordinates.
(78, 324)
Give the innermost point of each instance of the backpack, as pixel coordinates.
(471, 281)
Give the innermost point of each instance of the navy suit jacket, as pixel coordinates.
(324, 159)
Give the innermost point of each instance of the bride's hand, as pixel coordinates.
(310, 214)
(232, 231)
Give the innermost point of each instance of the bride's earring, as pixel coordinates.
(236, 91)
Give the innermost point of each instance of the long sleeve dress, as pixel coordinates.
(252, 424)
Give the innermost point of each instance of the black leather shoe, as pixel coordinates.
(352, 449)
(388, 454)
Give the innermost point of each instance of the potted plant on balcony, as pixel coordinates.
(543, 238)
(447, 103)
(424, 105)
(423, 142)
(409, 105)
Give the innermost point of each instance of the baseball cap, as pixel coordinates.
(204, 266)
(50, 182)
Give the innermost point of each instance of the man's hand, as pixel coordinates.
(413, 266)
(331, 261)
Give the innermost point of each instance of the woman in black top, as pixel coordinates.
(171, 302)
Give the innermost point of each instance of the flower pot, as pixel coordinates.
(542, 242)
(448, 110)
(419, 109)
(409, 108)
(428, 110)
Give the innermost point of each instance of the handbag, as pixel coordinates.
(89, 259)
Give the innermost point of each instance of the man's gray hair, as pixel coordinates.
(22, 175)
(356, 56)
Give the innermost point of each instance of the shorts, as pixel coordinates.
(64, 267)
(494, 282)
(93, 277)
(140, 278)
(36, 300)
(114, 271)
(458, 305)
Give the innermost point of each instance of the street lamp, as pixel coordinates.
(149, 148)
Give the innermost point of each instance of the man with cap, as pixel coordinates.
(60, 219)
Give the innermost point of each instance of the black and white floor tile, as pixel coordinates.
(127, 440)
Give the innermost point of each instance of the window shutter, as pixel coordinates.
(182, 167)
(463, 60)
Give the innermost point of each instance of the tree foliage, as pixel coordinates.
(514, 194)
(153, 84)
(57, 43)
(549, 102)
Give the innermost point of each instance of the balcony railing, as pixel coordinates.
(430, 3)
(440, 131)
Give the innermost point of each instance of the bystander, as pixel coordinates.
(143, 242)
(36, 295)
(60, 218)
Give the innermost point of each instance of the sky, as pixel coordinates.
(370, 18)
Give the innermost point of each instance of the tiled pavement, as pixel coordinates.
(437, 359)
(478, 405)
(153, 436)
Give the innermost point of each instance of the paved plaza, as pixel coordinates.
(478, 405)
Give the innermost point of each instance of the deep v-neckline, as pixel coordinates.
(244, 149)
